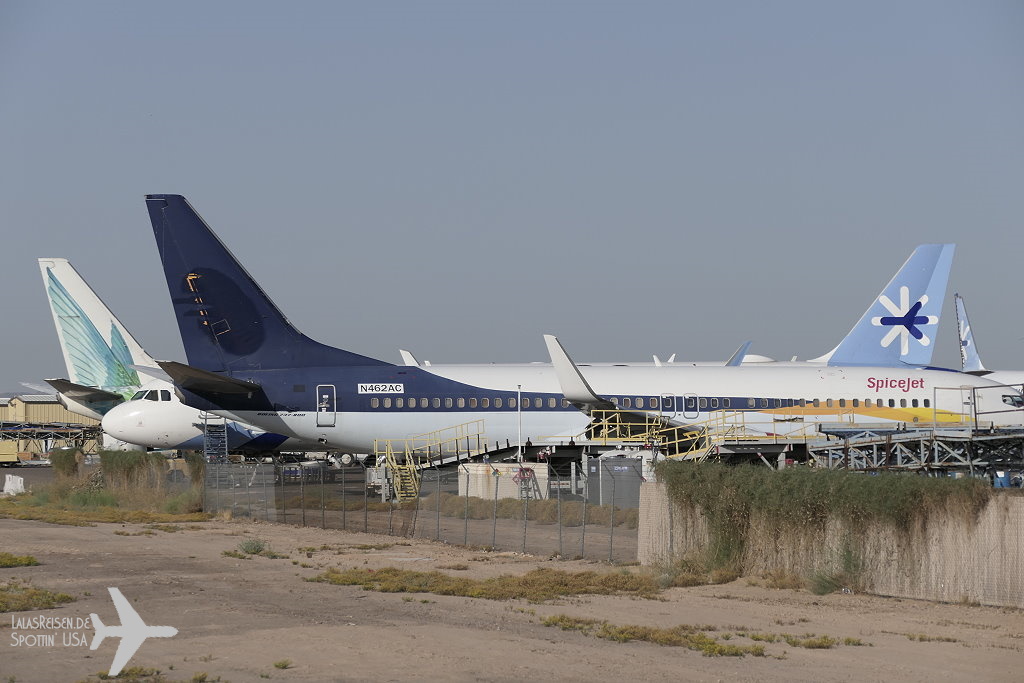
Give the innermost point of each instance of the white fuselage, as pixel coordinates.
(779, 399)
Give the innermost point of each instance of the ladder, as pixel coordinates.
(405, 476)
(215, 438)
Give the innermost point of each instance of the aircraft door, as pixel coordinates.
(668, 406)
(690, 409)
(326, 405)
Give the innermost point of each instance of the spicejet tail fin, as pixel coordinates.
(900, 325)
(227, 322)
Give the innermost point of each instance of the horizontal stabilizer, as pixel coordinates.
(205, 382)
(82, 393)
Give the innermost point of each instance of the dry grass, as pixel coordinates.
(690, 637)
(21, 596)
(538, 585)
(11, 560)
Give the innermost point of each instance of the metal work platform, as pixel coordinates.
(44, 436)
(922, 449)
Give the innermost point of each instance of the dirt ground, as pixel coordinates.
(236, 618)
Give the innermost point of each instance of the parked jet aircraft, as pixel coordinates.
(969, 357)
(133, 631)
(103, 360)
(247, 362)
(919, 286)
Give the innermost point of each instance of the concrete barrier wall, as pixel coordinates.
(950, 559)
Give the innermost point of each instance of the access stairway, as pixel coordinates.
(405, 458)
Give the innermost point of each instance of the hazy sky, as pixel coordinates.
(459, 178)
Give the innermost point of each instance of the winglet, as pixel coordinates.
(203, 381)
(737, 358)
(574, 386)
(408, 358)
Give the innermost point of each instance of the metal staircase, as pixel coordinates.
(406, 457)
(215, 438)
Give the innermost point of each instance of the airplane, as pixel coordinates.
(133, 631)
(869, 342)
(247, 362)
(104, 360)
(970, 360)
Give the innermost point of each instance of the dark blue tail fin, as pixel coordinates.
(227, 322)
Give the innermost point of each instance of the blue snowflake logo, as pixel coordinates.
(904, 320)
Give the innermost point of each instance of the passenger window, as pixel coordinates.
(828, 403)
(497, 402)
(538, 403)
(903, 403)
(867, 403)
(703, 403)
(387, 402)
(552, 403)
(913, 403)
(725, 403)
(764, 403)
(842, 403)
(927, 403)
(856, 403)
(778, 403)
(460, 403)
(375, 403)
(639, 402)
(511, 403)
(817, 403)
(615, 401)
(892, 403)
(652, 403)
(714, 403)
(485, 403)
(436, 402)
(447, 403)
(803, 403)
(424, 403)
(627, 402)
(472, 402)
(565, 403)
(399, 402)
(751, 402)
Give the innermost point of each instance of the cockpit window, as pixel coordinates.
(152, 395)
(1015, 400)
(138, 395)
(165, 395)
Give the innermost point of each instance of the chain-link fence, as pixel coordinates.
(590, 511)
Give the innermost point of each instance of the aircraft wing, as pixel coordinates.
(130, 619)
(81, 392)
(129, 644)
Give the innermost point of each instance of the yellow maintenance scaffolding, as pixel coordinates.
(406, 457)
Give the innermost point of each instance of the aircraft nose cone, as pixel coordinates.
(123, 422)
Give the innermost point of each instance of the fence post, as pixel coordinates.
(586, 497)
(437, 536)
(323, 505)
(465, 517)
(344, 498)
(280, 485)
(611, 521)
(494, 515)
(302, 493)
(248, 492)
(558, 507)
(526, 517)
(366, 521)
